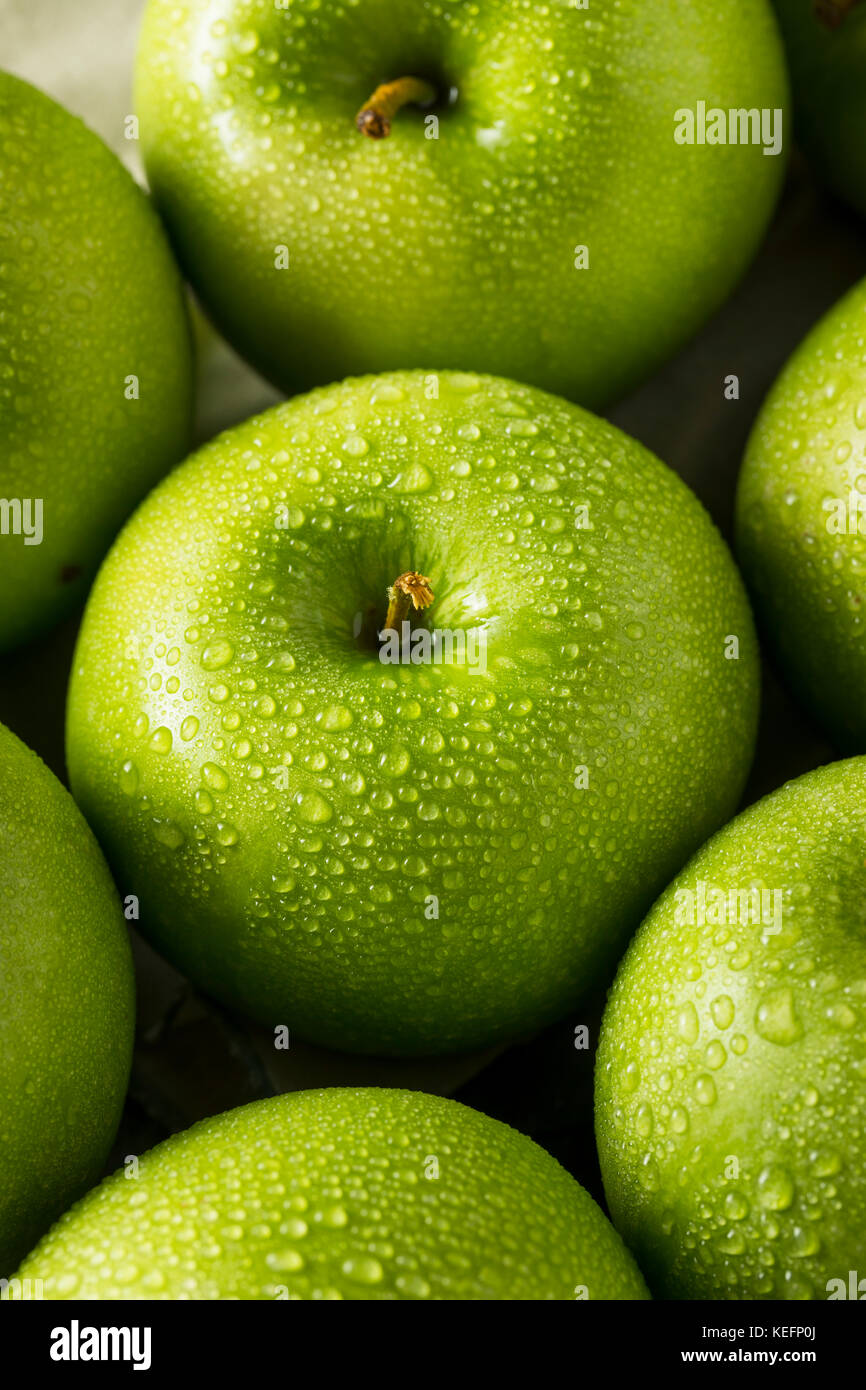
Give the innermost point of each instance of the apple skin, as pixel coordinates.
(723, 1047)
(808, 582)
(828, 75)
(89, 296)
(458, 251)
(66, 1002)
(287, 807)
(346, 1194)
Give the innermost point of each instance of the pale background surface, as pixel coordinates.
(192, 1060)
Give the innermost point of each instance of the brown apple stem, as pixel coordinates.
(374, 118)
(410, 590)
(832, 13)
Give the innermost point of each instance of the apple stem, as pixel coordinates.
(410, 589)
(832, 13)
(375, 117)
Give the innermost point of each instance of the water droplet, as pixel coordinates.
(776, 1019)
(825, 1163)
(705, 1089)
(313, 808)
(679, 1120)
(161, 740)
(415, 478)
(722, 1011)
(395, 762)
(215, 777)
(365, 1270)
(775, 1188)
(217, 654)
(736, 1206)
(168, 834)
(687, 1023)
(129, 778)
(644, 1121)
(335, 717)
(355, 445)
(285, 1260)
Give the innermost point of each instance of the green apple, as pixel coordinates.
(826, 45)
(801, 520)
(731, 1071)
(529, 213)
(66, 1002)
(95, 357)
(340, 1194)
(395, 856)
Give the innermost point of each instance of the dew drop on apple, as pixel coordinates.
(679, 1119)
(416, 478)
(217, 654)
(313, 808)
(776, 1019)
(168, 834)
(705, 1090)
(631, 1077)
(735, 1206)
(722, 1011)
(161, 740)
(775, 1188)
(355, 445)
(648, 1173)
(395, 761)
(215, 777)
(825, 1163)
(365, 1269)
(687, 1023)
(389, 392)
(128, 778)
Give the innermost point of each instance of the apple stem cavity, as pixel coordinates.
(375, 117)
(410, 590)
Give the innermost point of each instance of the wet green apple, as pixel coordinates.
(340, 1194)
(95, 357)
(437, 851)
(801, 520)
(66, 1002)
(523, 208)
(826, 46)
(731, 1072)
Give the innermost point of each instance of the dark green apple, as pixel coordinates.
(801, 520)
(731, 1072)
(410, 857)
(95, 357)
(533, 216)
(340, 1194)
(826, 45)
(66, 1002)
